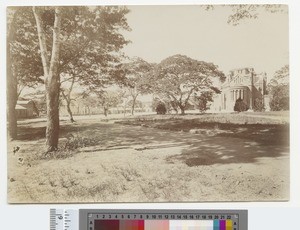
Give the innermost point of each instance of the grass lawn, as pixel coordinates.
(213, 157)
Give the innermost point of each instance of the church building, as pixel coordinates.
(242, 84)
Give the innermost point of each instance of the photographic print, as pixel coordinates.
(166, 103)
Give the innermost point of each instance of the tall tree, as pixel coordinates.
(83, 43)
(202, 100)
(125, 99)
(278, 89)
(179, 77)
(66, 93)
(135, 78)
(24, 66)
(11, 81)
(51, 74)
(90, 49)
(107, 100)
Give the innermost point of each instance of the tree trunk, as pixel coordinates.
(182, 109)
(11, 104)
(52, 130)
(124, 111)
(133, 105)
(11, 97)
(174, 106)
(68, 104)
(12, 89)
(105, 111)
(52, 79)
(12, 86)
(70, 112)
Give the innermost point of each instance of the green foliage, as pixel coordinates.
(155, 102)
(90, 43)
(170, 105)
(138, 104)
(76, 141)
(280, 98)
(278, 89)
(133, 74)
(161, 108)
(281, 76)
(24, 48)
(109, 99)
(87, 39)
(240, 106)
(133, 78)
(241, 12)
(179, 77)
(258, 105)
(203, 99)
(104, 100)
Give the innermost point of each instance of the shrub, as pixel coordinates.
(76, 141)
(258, 105)
(203, 100)
(161, 108)
(240, 105)
(279, 98)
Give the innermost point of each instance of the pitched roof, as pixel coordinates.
(20, 107)
(23, 102)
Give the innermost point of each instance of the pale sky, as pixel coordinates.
(161, 31)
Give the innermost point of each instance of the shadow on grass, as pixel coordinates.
(239, 144)
(29, 133)
(231, 143)
(262, 133)
(226, 150)
(32, 132)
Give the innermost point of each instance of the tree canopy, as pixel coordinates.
(75, 42)
(278, 89)
(134, 78)
(179, 77)
(241, 12)
(90, 42)
(26, 63)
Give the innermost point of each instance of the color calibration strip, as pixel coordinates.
(142, 219)
(162, 221)
(162, 225)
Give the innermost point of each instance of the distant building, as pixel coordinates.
(244, 84)
(26, 109)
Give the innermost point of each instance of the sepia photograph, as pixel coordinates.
(137, 103)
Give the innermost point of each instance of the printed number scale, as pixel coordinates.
(92, 219)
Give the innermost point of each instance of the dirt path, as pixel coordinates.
(143, 164)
